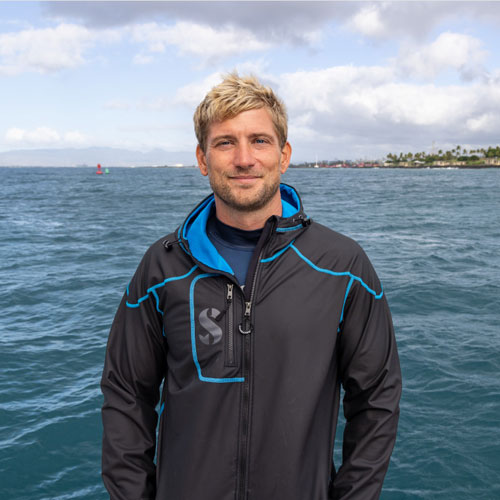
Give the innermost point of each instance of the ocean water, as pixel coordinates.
(71, 240)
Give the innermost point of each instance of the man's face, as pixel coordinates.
(244, 161)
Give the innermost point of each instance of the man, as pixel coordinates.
(253, 315)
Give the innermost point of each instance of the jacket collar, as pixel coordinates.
(193, 234)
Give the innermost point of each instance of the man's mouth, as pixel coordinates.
(244, 177)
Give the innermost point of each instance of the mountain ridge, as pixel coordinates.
(91, 156)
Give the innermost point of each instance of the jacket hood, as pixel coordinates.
(193, 234)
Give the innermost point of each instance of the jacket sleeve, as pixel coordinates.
(133, 370)
(371, 377)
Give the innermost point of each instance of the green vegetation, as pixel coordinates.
(457, 156)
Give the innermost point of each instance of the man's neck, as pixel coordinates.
(247, 221)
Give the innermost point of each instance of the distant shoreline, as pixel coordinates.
(303, 167)
(393, 167)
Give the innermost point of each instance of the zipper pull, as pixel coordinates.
(229, 298)
(246, 326)
(303, 220)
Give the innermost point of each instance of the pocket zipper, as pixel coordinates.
(230, 328)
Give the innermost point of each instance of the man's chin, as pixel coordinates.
(246, 197)
(250, 204)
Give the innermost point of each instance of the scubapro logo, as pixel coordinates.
(207, 321)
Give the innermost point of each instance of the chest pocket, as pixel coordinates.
(215, 345)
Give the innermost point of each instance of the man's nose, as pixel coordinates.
(243, 155)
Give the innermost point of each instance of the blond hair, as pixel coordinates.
(231, 97)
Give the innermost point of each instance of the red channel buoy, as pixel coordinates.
(99, 171)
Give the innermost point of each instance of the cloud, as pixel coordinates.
(387, 20)
(285, 22)
(370, 107)
(198, 40)
(46, 50)
(485, 122)
(368, 22)
(191, 95)
(460, 52)
(43, 136)
(39, 136)
(325, 90)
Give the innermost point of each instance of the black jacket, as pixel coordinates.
(251, 376)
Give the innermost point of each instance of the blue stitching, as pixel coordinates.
(180, 241)
(152, 289)
(333, 273)
(157, 301)
(345, 299)
(183, 247)
(285, 229)
(193, 339)
(142, 299)
(277, 254)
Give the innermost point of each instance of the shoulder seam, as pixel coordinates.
(336, 273)
(152, 290)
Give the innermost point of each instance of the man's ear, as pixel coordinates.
(286, 154)
(202, 160)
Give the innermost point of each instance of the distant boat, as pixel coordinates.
(99, 171)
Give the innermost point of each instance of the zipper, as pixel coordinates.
(245, 421)
(230, 326)
(161, 419)
(246, 328)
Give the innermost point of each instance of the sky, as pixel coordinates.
(359, 79)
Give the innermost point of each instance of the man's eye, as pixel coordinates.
(260, 140)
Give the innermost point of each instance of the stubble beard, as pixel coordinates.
(245, 204)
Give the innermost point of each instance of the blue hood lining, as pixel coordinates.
(195, 232)
(290, 201)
